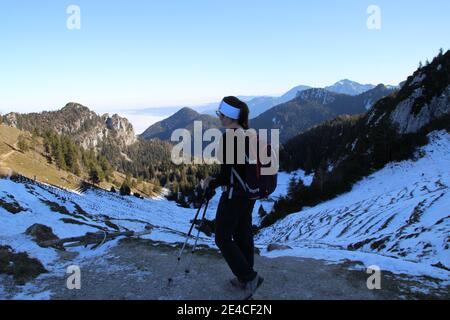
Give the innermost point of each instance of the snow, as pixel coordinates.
(409, 202)
(368, 259)
(30, 292)
(267, 204)
(126, 212)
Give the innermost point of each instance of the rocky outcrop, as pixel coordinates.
(19, 265)
(41, 233)
(122, 129)
(408, 122)
(76, 120)
(424, 97)
(277, 246)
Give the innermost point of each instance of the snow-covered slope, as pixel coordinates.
(397, 218)
(72, 214)
(400, 212)
(91, 211)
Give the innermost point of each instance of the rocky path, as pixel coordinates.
(139, 269)
(4, 170)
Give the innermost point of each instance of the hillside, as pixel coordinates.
(183, 119)
(342, 152)
(76, 138)
(314, 106)
(141, 265)
(400, 212)
(34, 164)
(83, 125)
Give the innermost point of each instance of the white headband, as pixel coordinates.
(229, 111)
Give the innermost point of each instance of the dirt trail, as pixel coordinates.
(139, 269)
(3, 157)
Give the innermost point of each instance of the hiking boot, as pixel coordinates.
(237, 284)
(252, 286)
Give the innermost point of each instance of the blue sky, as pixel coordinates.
(138, 54)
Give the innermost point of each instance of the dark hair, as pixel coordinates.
(243, 114)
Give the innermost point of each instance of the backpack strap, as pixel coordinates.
(230, 192)
(243, 184)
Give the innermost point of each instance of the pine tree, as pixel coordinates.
(151, 171)
(291, 188)
(125, 189)
(58, 154)
(94, 174)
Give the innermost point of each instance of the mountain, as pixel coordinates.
(349, 87)
(184, 118)
(397, 214)
(312, 107)
(302, 109)
(45, 212)
(345, 150)
(261, 104)
(380, 180)
(256, 104)
(88, 145)
(83, 125)
(29, 155)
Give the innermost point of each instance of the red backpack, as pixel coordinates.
(260, 179)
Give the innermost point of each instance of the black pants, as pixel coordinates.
(234, 235)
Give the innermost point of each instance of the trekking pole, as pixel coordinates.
(185, 242)
(196, 239)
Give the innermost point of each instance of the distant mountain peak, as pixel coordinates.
(320, 95)
(345, 81)
(187, 110)
(75, 106)
(183, 118)
(349, 87)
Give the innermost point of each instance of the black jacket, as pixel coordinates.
(223, 178)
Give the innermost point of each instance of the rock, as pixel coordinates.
(122, 129)
(276, 246)
(19, 265)
(409, 122)
(41, 233)
(11, 119)
(12, 206)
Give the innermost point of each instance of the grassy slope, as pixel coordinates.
(33, 164)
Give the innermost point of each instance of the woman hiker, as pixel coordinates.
(234, 234)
